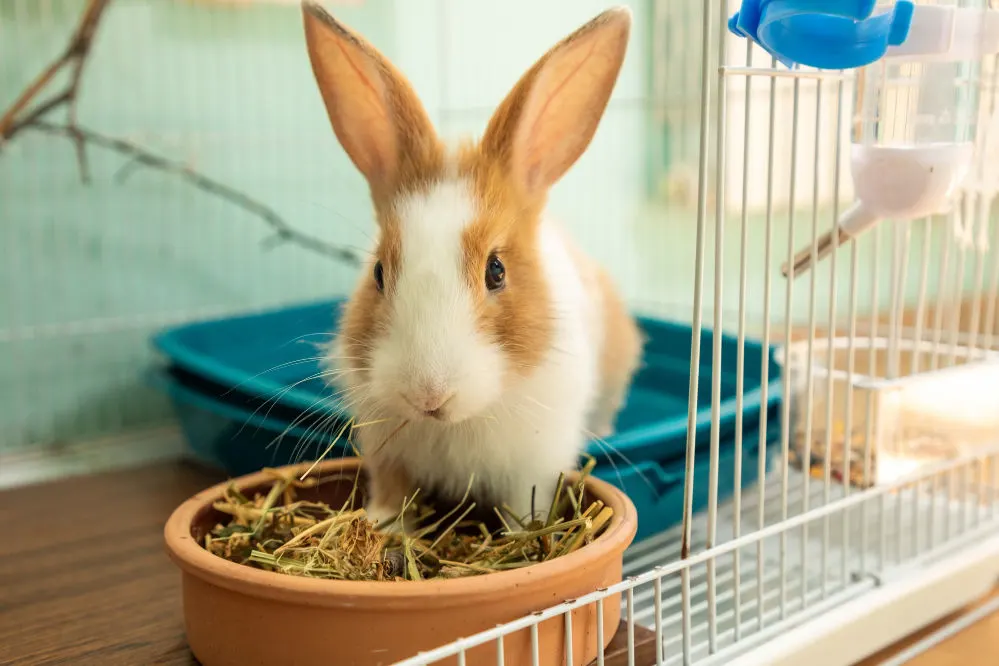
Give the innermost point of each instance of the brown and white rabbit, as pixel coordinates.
(479, 325)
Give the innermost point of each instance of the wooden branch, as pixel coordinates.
(75, 56)
(27, 113)
(283, 233)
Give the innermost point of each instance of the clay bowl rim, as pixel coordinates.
(193, 559)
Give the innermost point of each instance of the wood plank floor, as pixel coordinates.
(84, 578)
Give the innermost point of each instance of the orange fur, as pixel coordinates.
(518, 317)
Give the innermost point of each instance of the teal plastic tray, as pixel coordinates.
(270, 356)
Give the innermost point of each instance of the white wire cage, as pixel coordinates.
(856, 515)
(884, 494)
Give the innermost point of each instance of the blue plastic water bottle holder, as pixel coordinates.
(827, 34)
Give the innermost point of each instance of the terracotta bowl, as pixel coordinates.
(238, 615)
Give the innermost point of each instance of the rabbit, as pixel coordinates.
(481, 347)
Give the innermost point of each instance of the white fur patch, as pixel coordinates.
(433, 345)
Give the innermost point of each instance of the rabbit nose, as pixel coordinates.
(429, 401)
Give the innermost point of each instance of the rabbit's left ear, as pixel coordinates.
(551, 115)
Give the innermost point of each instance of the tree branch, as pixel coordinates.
(139, 155)
(75, 56)
(22, 115)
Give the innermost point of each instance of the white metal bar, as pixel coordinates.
(984, 205)
(993, 297)
(535, 648)
(921, 300)
(900, 258)
(696, 325)
(848, 406)
(978, 285)
(776, 73)
(740, 362)
(900, 532)
(812, 322)
(976, 505)
(883, 533)
(630, 601)
(659, 619)
(568, 638)
(962, 525)
(789, 299)
(932, 519)
(761, 461)
(831, 358)
(993, 486)
(964, 207)
(993, 294)
(501, 656)
(717, 324)
(901, 242)
(950, 501)
(600, 632)
(948, 233)
(871, 371)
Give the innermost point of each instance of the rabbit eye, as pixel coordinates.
(495, 273)
(379, 276)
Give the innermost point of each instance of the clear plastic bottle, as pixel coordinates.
(916, 116)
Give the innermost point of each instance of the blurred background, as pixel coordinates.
(221, 93)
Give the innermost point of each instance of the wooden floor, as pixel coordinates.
(85, 579)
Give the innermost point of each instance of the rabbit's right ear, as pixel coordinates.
(375, 114)
(549, 118)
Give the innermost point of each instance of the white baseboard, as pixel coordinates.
(89, 457)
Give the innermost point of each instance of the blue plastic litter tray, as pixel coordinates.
(238, 438)
(234, 438)
(262, 355)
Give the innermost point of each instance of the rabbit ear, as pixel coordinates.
(377, 117)
(549, 118)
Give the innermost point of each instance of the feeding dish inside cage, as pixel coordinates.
(236, 614)
(828, 34)
(904, 182)
(894, 414)
(914, 131)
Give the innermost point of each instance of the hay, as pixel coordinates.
(278, 532)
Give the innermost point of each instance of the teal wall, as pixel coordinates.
(90, 271)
